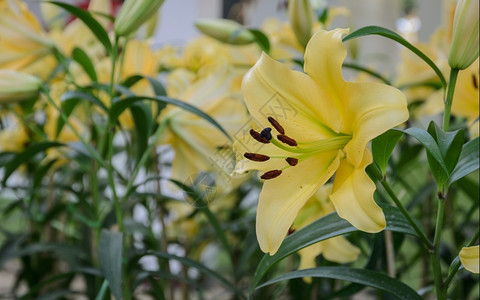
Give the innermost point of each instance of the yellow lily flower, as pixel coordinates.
(321, 125)
(336, 249)
(24, 46)
(469, 256)
(16, 86)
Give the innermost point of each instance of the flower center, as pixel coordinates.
(297, 151)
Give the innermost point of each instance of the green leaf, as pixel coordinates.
(450, 144)
(199, 267)
(261, 39)
(84, 61)
(142, 117)
(376, 30)
(24, 156)
(429, 143)
(324, 228)
(110, 257)
(383, 145)
(70, 100)
(467, 163)
(120, 105)
(369, 278)
(103, 291)
(91, 23)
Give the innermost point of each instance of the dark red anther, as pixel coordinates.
(287, 140)
(292, 161)
(256, 156)
(276, 125)
(271, 174)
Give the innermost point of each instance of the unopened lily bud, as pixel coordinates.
(133, 14)
(301, 15)
(16, 86)
(227, 31)
(464, 48)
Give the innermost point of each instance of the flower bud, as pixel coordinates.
(464, 48)
(301, 15)
(16, 86)
(133, 14)
(226, 31)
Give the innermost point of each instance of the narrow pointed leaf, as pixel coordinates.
(110, 257)
(91, 23)
(377, 30)
(468, 161)
(366, 277)
(383, 145)
(84, 61)
(324, 228)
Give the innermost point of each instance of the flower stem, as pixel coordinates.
(404, 211)
(448, 101)
(435, 254)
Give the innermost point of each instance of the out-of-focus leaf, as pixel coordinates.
(84, 61)
(261, 39)
(91, 23)
(383, 145)
(142, 117)
(120, 105)
(110, 257)
(369, 278)
(24, 156)
(429, 143)
(103, 291)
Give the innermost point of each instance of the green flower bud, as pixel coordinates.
(226, 31)
(464, 48)
(301, 16)
(133, 14)
(16, 86)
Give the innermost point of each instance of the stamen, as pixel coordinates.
(266, 133)
(276, 125)
(475, 83)
(257, 136)
(271, 174)
(292, 161)
(256, 156)
(287, 140)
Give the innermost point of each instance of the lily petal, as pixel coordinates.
(372, 109)
(353, 196)
(339, 249)
(291, 97)
(324, 57)
(282, 197)
(469, 256)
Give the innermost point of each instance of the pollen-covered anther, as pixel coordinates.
(292, 161)
(266, 133)
(271, 174)
(287, 140)
(258, 137)
(256, 156)
(276, 125)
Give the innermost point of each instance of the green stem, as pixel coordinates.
(456, 266)
(404, 211)
(448, 101)
(64, 117)
(40, 134)
(435, 254)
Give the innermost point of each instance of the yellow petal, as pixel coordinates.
(282, 197)
(371, 109)
(291, 97)
(338, 249)
(469, 256)
(307, 258)
(324, 57)
(353, 196)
